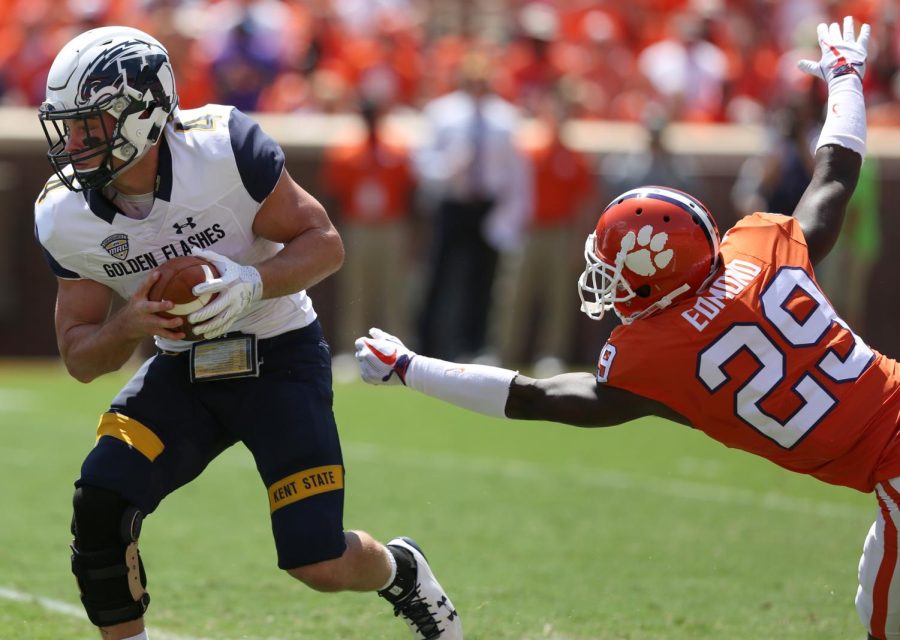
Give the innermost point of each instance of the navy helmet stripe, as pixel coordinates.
(707, 228)
(627, 196)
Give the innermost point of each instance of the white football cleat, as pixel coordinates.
(424, 606)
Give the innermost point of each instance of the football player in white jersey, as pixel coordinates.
(138, 182)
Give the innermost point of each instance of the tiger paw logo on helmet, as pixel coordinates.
(651, 255)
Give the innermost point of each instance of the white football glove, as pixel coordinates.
(842, 53)
(381, 356)
(238, 287)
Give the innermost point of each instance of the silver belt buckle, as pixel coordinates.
(231, 356)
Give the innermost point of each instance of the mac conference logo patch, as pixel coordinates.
(116, 245)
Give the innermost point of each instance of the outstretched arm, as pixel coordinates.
(577, 399)
(821, 210)
(571, 398)
(842, 143)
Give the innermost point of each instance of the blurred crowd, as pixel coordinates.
(459, 244)
(704, 60)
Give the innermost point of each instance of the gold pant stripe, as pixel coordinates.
(309, 482)
(132, 433)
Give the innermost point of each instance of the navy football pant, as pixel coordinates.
(161, 431)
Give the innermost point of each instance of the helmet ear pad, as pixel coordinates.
(140, 129)
(643, 291)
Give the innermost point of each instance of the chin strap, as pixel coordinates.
(659, 305)
(667, 299)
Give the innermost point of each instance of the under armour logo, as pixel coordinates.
(443, 603)
(179, 228)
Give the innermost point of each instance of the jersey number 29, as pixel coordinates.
(816, 401)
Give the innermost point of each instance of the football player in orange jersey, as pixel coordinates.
(754, 355)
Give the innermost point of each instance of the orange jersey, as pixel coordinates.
(562, 181)
(371, 183)
(760, 361)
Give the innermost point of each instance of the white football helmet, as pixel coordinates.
(651, 246)
(116, 70)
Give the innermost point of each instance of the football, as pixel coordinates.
(177, 278)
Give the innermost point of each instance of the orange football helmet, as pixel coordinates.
(651, 246)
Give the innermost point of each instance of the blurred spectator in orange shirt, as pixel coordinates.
(601, 64)
(882, 81)
(749, 44)
(387, 64)
(366, 17)
(290, 92)
(442, 60)
(31, 31)
(687, 72)
(166, 20)
(530, 65)
(284, 56)
(371, 182)
(541, 275)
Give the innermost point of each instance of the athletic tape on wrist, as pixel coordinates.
(845, 121)
(471, 386)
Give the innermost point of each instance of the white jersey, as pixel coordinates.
(216, 167)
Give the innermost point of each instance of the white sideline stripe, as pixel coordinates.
(668, 487)
(56, 606)
(17, 400)
(73, 611)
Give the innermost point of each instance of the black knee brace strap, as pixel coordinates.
(112, 579)
(112, 584)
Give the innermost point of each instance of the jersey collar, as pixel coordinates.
(106, 210)
(164, 171)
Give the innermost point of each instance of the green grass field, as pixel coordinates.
(538, 531)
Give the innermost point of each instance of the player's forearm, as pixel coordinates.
(475, 387)
(91, 350)
(492, 391)
(839, 154)
(305, 261)
(569, 398)
(822, 209)
(577, 399)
